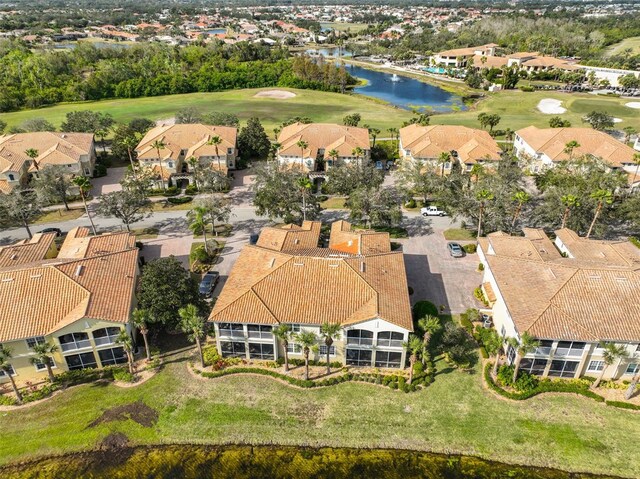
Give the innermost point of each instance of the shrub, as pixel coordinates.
(526, 382)
(411, 203)
(99, 170)
(526, 88)
(210, 355)
(479, 295)
(505, 375)
(424, 308)
(6, 400)
(123, 375)
(171, 191)
(465, 322)
(199, 254)
(480, 267)
(470, 248)
(623, 405)
(191, 190)
(483, 352)
(181, 200)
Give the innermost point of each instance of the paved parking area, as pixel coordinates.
(432, 273)
(109, 183)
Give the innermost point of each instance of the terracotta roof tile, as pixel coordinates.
(27, 252)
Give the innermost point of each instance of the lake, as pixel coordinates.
(405, 92)
(239, 462)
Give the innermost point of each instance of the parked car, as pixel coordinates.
(432, 211)
(57, 231)
(208, 283)
(455, 250)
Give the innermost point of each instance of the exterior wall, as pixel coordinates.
(525, 152)
(25, 371)
(610, 74)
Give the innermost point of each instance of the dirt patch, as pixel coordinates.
(114, 440)
(137, 411)
(276, 94)
(166, 121)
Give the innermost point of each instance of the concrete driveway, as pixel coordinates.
(431, 271)
(109, 183)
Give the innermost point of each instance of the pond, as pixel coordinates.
(194, 462)
(405, 92)
(330, 52)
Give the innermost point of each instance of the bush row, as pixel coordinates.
(180, 200)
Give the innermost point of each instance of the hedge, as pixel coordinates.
(180, 200)
(623, 405)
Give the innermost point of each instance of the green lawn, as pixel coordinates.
(518, 110)
(458, 234)
(59, 215)
(632, 42)
(334, 203)
(455, 414)
(319, 106)
(343, 27)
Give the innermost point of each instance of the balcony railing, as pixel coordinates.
(360, 341)
(389, 343)
(85, 343)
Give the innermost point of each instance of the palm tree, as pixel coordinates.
(636, 161)
(304, 183)
(197, 218)
(333, 154)
(160, 145)
(477, 170)
(443, 158)
(569, 147)
(358, 153)
(307, 340)
(33, 154)
(612, 352)
(482, 196)
(303, 146)
(127, 344)
(394, 132)
(429, 325)
(493, 345)
(84, 186)
(374, 132)
(193, 163)
(5, 355)
(283, 333)
(43, 353)
(520, 197)
(130, 144)
(526, 345)
(275, 146)
(569, 201)
(215, 141)
(414, 347)
(101, 133)
(329, 332)
(602, 197)
(194, 325)
(140, 319)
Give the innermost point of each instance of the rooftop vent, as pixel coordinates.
(363, 267)
(14, 256)
(350, 243)
(7, 280)
(298, 264)
(552, 274)
(35, 276)
(273, 260)
(79, 270)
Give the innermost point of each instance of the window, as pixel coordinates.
(71, 341)
(294, 348)
(569, 348)
(545, 348)
(31, 342)
(563, 369)
(323, 350)
(259, 332)
(233, 330)
(261, 351)
(81, 361)
(533, 366)
(106, 335)
(11, 177)
(360, 337)
(295, 328)
(170, 164)
(232, 349)
(109, 357)
(229, 151)
(638, 349)
(12, 371)
(390, 339)
(632, 368)
(40, 366)
(511, 355)
(358, 357)
(596, 366)
(388, 359)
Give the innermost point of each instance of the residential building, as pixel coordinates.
(79, 300)
(542, 148)
(183, 142)
(321, 140)
(357, 282)
(571, 294)
(466, 146)
(535, 62)
(74, 151)
(460, 57)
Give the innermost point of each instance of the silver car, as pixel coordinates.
(455, 250)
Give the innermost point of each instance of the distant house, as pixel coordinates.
(357, 282)
(460, 57)
(535, 62)
(185, 141)
(465, 146)
(322, 139)
(73, 151)
(570, 294)
(544, 147)
(79, 301)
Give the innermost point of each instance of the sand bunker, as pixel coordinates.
(617, 120)
(277, 94)
(633, 104)
(549, 106)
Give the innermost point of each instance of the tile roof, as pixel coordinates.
(327, 136)
(268, 286)
(589, 297)
(349, 240)
(190, 137)
(78, 245)
(42, 299)
(54, 148)
(430, 141)
(552, 142)
(290, 237)
(29, 251)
